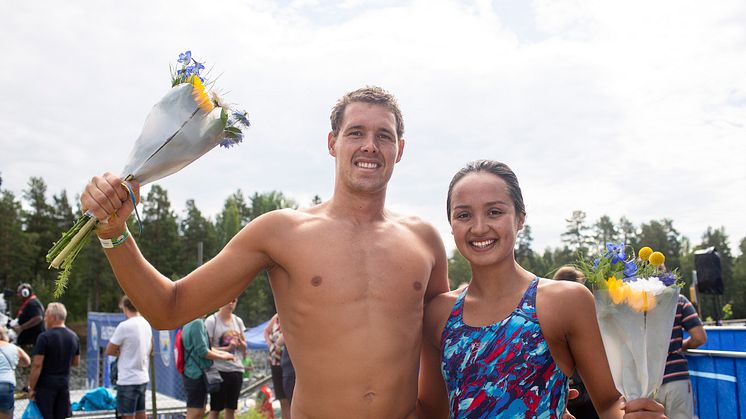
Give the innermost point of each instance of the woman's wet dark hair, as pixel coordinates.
(496, 168)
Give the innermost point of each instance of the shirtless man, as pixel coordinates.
(349, 277)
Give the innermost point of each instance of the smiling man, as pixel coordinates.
(350, 278)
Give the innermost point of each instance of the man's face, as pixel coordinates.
(366, 148)
(47, 319)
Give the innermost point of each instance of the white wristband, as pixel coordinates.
(116, 241)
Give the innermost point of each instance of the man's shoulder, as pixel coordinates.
(59, 331)
(280, 220)
(413, 223)
(134, 323)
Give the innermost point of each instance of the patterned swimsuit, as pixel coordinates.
(504, 369)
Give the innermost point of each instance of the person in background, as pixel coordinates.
(676, 391)
(198, 356)
(581, 407)
(569, 273)
(56, 350)
(132, 343)
(10, 357)
(30, 317)
(276, 343)
(226, 333)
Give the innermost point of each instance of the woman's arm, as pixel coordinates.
(433, 398)
(587, 349)
(23, 359)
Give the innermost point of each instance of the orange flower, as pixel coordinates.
(199, 94)
(618, 290)
(641, 300)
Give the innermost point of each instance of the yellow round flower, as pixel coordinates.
(645, 253)
(656, 259)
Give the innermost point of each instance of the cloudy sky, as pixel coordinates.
(632, 108)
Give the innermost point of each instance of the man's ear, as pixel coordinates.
(331, 140)
(401, 150)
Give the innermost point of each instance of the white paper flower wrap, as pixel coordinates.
(178, 130)
(637, 343)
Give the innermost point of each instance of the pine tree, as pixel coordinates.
(160, 243)
(577, 234)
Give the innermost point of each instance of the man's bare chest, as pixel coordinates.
(352, 266)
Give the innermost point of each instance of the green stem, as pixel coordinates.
(74, 242)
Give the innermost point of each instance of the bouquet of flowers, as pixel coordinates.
(186, 123)
(635, 306)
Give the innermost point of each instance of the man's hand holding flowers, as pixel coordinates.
(109, 202)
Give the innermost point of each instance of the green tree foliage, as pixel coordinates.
(523, 252)
(604, 230)
(628, 232)
(662, 237)
(170, 243)
(577, 235)
(41, 229)
(196, 231)
(459, 272)
(270, 201)
(17, 256)
(161, 244)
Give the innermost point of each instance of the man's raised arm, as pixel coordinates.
(165, 303)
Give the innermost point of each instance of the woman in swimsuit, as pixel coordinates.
(505, 345)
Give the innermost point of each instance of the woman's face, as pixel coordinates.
(231, 305)
(483, 220)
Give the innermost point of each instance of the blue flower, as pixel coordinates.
(595, 262)
(667, 278)
(630, 268)
(241, 117)
(185, 57)
(230, 142)
(615, 252)
(196, 68)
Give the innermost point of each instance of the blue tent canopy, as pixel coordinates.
(255, 337)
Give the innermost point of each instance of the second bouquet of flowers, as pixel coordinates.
(635, 306)
(186, 123)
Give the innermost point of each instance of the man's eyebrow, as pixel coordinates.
(363, 127)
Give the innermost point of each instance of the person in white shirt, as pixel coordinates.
(10, 357)
(225, 331)
(132, 342)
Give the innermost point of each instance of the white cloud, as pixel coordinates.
(631, 108)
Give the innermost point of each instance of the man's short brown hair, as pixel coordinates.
(126, 302)
(368, 94)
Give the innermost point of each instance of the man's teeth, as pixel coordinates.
(482, 243)
(365, 165)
